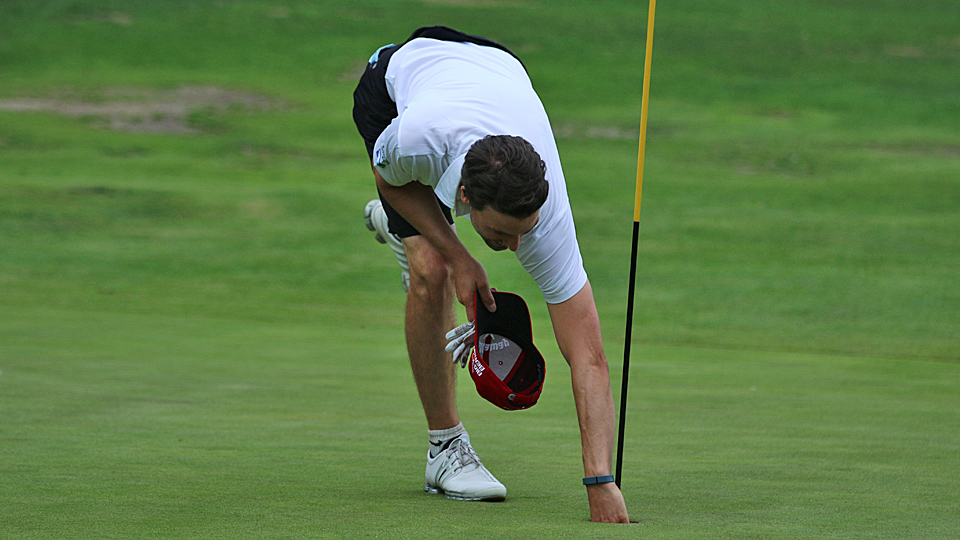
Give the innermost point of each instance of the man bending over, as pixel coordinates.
(452, 125)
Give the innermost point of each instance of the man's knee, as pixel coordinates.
(430, 275)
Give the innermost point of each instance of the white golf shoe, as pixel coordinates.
(376, 220)
(457, 473)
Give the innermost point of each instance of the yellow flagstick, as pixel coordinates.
(636, 236)
(644, 104)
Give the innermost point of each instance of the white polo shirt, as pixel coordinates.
(451, 94)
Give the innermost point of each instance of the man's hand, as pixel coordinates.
(469, 277)
(606, 504)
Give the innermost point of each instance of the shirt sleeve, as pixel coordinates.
(401, 164)
(552, 258)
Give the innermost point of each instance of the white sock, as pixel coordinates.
(441, 438)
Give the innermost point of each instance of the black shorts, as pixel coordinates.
(373, 110)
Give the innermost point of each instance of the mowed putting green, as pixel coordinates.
(199, 338)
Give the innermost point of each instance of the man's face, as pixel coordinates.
(501, 231)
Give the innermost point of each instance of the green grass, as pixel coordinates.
(198, 338)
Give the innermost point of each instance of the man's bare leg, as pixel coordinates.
(453, 468)
(429, 315)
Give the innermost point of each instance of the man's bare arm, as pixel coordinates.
(417, 203)
(577, 327)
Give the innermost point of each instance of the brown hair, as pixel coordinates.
(505, 173)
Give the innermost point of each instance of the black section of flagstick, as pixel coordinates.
(626, 350)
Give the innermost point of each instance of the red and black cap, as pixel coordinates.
(506, 367)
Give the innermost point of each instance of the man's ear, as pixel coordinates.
(463, 196)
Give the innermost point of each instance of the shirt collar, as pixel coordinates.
(448, 187)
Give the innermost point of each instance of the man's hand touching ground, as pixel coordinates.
(606, 504)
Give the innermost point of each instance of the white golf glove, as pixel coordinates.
(461, 342)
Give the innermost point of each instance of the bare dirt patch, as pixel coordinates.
(917, 149)
(148, 110)
(905, 51)
(467, 3)
(574, 131)
(354, 74)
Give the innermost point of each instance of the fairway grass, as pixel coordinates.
(200, 339)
